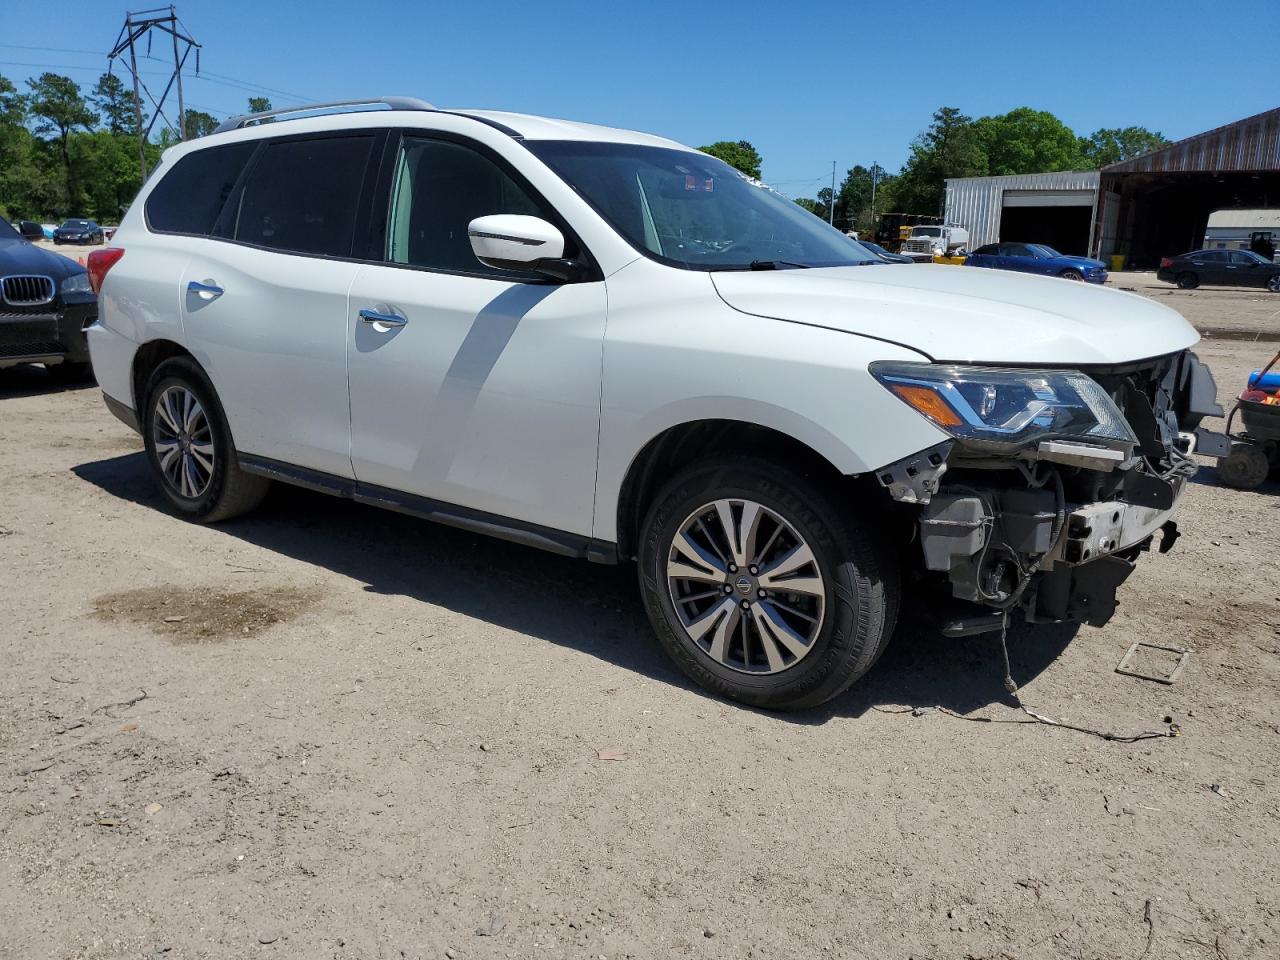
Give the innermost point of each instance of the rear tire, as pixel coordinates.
(1245, 467)
(787, 649)
(1273, 283)
(190, 449)
(1188, 281)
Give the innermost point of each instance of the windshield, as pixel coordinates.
(694, 211)
(75, 223)
(1043, 251)
(926, 231)
(7, 233)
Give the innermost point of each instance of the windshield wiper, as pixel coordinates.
(777, 265)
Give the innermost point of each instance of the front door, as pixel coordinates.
(265, 309)
(470, 385)
(1249, 269)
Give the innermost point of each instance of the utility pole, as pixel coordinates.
(136, 26)
(831, 210)
(877, 172)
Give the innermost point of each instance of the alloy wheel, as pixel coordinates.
(746, 586)
(1273, 284)
(183, 442)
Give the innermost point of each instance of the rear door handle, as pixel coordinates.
(205, 291)
(377, 319)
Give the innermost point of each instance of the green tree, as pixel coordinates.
(853, 199)
(1111, 145)
(114, 102)
(259, 104)
(948, 147)
(18, 174)
(813, 206)
(199, 124)
(57, 107)
(1027, 141)
(739, 154)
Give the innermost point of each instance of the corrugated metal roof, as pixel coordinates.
(1249, 144)
(1244, 219)
(976, 202)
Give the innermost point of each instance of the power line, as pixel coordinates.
(219, 79)
(21, 46)
(208, 74)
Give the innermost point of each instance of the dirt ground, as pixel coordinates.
(328, 731)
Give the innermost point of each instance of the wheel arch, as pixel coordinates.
(689, 441)
(145, 360)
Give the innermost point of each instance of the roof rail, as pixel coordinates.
(393, 103)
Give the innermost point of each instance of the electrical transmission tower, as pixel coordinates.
(136, 27)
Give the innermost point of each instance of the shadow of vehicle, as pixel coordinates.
(29, 380)
(591, 608)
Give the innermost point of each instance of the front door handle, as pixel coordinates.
(377, 319)
(205, 291)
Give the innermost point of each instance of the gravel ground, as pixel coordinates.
(327, 731)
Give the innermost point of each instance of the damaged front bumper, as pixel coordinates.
(1055, 528)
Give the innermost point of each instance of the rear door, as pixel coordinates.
(265, 300)
(1211, 266)
(484, 390)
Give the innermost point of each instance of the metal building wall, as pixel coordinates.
(976, 202)
(1252, 144)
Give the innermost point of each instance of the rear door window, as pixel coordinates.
(191, 195)
(302, 196)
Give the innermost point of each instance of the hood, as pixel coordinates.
(20, 256)
(971, 316)
(1080, 262)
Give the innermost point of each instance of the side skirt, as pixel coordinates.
(476, 521)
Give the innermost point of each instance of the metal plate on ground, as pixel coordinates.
(1176, 655)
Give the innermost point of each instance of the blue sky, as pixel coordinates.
(807, 83)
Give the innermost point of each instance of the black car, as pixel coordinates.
(79, 231)
(884, 254)
(45, 304)
(1236, 268)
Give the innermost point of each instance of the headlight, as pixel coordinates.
(76, 283)
(1006, 409)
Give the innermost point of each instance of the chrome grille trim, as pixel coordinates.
(30, 290)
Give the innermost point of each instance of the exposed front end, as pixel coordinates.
(1054, 483)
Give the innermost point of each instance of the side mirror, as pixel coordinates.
(30, 230)
(510, 241)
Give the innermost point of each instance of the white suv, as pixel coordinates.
(611, 346)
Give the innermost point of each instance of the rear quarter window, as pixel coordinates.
(191, 195)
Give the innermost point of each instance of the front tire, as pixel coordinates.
(1071, 275)
(761, 587)
(1273, 283)
(189, 446)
